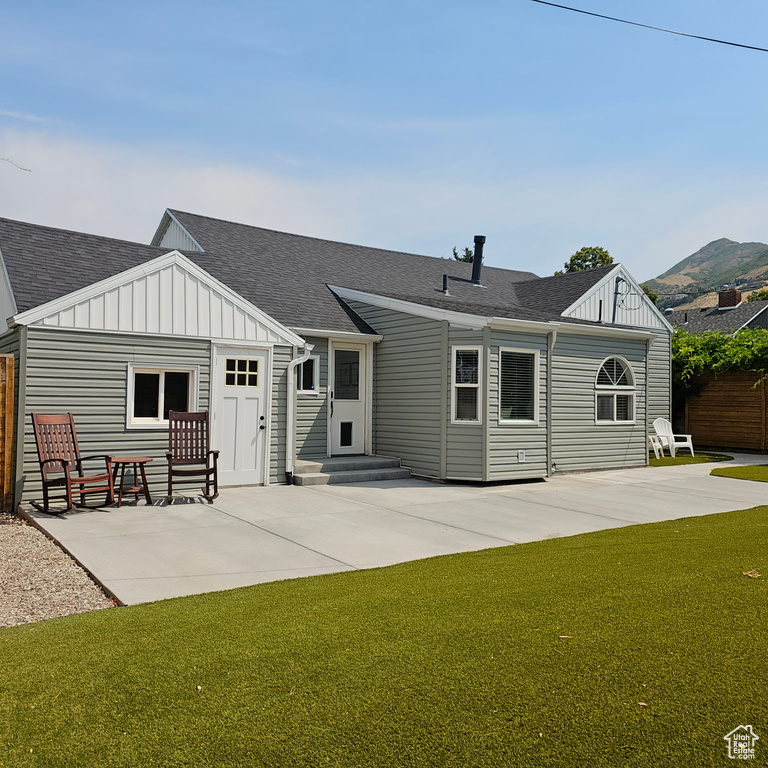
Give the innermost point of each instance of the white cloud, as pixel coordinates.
(648, 220)
(23, 116)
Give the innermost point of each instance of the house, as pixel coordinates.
(730, 315)
(302, 347)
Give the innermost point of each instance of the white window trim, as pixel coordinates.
(521, 422)
(478, 386)
(134, 368)
(610, 389)
(300, 378)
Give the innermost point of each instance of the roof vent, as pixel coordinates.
(477, 260)
(669, 311)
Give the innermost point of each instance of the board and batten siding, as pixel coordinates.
(312, 408)
(578, 443)
(175, 236)
(464, 441)
(281, 356)
(660, 378)
(506, 439)
(407, 383)
(87, 373)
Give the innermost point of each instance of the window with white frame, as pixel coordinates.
(465, 384)
(308, 376)
(153, 392)
(615, 392)
(518, 386)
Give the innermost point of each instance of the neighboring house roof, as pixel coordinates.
(703, 319)
(287, 276)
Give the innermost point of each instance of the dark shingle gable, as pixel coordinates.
(295, 270)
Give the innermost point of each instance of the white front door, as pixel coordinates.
(348, 391)
(240, 414)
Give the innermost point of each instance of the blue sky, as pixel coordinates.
(410, 126)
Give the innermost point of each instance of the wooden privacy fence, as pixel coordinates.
(729, 412)
(6, 432)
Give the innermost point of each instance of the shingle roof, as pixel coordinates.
(45, 263)
(713, 319)
(285, 275)
(294, 271)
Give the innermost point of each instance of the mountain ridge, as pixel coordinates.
(720, 262)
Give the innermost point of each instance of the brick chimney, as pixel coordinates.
(728, 298)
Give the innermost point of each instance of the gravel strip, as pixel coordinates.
(38, 580)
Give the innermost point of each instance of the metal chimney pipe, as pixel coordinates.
(477, 261)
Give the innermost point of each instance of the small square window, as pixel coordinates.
(241, 372)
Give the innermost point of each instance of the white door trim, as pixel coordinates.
(213, 393)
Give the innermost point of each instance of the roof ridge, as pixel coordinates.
(575, 272)
(175, 211)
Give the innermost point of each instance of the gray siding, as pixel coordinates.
(312, 409)
(579, 443)
(87, 373)
(464, 442)
(406, 388)
(280, 359)
(659, 378)
(506, 439)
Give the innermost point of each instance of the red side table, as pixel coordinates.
(119, 463)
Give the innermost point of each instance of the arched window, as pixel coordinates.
(615, 392)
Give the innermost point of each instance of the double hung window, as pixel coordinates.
(466, 396)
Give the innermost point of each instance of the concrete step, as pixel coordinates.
(343, 464)
(351, 476)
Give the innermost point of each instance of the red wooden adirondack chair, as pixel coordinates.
(61, 464)
(189, 454)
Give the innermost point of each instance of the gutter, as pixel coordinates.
(291, 410)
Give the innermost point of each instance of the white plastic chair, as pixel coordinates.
(669, 440)
(655, 444)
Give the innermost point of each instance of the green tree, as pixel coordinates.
(760, 295)
(650, 293)
(468, 256)
(589, 257)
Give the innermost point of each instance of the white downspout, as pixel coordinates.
(291, 409)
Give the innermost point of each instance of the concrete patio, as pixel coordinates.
(250, 535)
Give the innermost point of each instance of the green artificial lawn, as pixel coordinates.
(686, 458)
(638, 646)
(757, 472)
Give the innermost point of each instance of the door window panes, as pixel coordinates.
(346, 374)
(242, 372)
